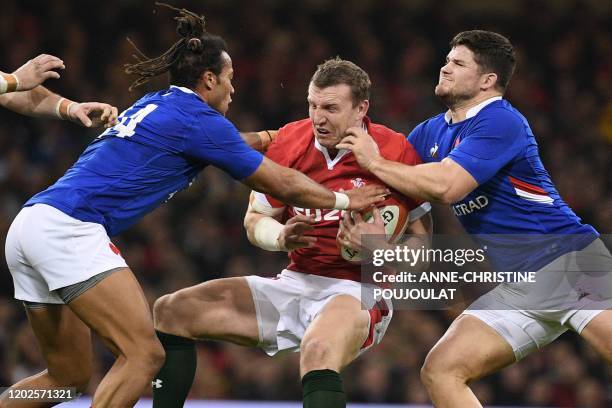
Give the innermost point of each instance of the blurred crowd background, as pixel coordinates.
(562, 85)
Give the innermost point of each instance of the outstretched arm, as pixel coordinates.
(23, 93)
(259, 140)
(445, 182)
(294, 188)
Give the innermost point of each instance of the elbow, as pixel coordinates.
(446, 194)
(249, 223)
(442, 193)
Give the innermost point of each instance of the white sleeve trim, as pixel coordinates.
(420, 211)
(263, 206)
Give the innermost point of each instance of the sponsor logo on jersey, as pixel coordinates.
(157, 383)
(320, 215)
(433, 152)
(468, 207)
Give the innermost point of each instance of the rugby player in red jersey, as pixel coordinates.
(317, 305)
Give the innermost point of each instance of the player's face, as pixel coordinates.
(221, 95)
(460, 78)
(331, 112)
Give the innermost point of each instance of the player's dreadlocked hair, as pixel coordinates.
(196, 52)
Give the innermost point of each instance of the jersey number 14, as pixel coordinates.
(127, 124)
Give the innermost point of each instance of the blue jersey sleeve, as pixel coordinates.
(417, 141)
(218, 142)
(496, 138)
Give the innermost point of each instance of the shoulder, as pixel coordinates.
(427, 128)
(390, 142)
(298, 129)
(295, 133)
(292, 141)
(502, 113)
(394, 145)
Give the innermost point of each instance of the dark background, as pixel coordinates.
(562, 85)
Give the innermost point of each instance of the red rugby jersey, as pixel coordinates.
(296, 147)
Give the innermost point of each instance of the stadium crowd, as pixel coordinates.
(562, 85)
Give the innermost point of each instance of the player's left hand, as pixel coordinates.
(293, 234)
(362, 145)
(352, 227)
(93, 114)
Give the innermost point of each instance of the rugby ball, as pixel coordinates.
(395, 213)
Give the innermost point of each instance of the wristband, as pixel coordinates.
(266, 234)
(342, 201)
(8, 83)
(62, 109)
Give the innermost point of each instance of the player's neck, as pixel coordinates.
(459, 111)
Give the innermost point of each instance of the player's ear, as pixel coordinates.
(362, 108)
(209, 79)
(488, 81)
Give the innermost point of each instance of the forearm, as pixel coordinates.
(262, 230)
(299, 190)
(253, 140)
(251, 218)
(291, 187)
(38, 102)
(427, 182)
(259, 140)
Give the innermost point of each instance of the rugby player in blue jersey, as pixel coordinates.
(70, 276)
(481, 157)
(22, 92)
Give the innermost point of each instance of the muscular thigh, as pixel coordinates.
(65, 341)
(598, 333)
(470, 349)
(116, 308)
(220, 309)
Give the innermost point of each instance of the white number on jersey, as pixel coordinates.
(127, 124)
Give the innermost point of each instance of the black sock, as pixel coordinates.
(323, 389)
(173, 382)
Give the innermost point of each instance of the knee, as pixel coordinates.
(162, 309)
(149, 357)
(439, 368)
(316, 354)
(428, 372)
(172, 314)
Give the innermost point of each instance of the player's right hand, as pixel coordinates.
(38, 70)
(363, 197)
(93, 114)
(353, 227)
(292, 236)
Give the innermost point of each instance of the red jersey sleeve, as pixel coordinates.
(284, 150)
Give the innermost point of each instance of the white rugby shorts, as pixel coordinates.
(569, 292)
(287, 305)
(46, 250)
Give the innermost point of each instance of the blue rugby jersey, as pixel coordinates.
(515, 195)
(157, 148)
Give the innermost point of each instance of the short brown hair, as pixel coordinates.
(492, 52)
(337, 71)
